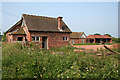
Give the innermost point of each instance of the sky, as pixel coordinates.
(87, 17)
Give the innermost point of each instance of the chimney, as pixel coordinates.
(59, 23)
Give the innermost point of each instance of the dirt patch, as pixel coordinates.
(93, 47)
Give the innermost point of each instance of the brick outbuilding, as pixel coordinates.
(77, 37)
(48, 32)
(99, 39)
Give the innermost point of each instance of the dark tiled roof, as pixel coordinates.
(39, 23)
(98, 36)
(76, 34)
(18, 23)
(18, 31)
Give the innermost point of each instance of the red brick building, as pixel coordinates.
(99, 39)
(77, 37)
(46, 31)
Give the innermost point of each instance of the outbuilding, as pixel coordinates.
(77, 37)
(99, 39)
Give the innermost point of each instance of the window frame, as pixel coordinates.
(72, 41)
(38, 38)
(35, 40)
(32, 38)
(65, 38)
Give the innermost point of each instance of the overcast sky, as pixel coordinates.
(88, 17)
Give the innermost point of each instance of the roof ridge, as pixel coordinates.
(77, 32)
(38, 16)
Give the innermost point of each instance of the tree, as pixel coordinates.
(108, 35)
(113, 39)
(116, 40)
(97, 34)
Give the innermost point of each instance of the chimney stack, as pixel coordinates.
(59, 23)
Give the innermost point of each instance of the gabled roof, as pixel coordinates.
(76, 34)
(98, 36)
(18, 23)
(18, 31)
(40, 23)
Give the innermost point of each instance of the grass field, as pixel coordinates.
(31, 62)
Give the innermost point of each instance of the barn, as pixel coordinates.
(48, 32)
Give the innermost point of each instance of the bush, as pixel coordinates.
(4, 37)
(31, 62)
(116, 40)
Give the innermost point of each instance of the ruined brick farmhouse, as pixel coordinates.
(48, 32)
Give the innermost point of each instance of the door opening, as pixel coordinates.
(44, 42)
(82, 40)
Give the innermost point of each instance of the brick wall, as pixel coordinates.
(80, 40)
(28, 36)
(54, 39)
(76, 40)
(7, 37)
(15, 37)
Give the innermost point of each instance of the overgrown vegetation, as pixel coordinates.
(116, 40)
(4, 37)
(31, 62)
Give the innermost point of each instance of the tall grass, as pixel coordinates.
(31, 62)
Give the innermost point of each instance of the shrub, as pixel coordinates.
(4, 37)
(31, 62)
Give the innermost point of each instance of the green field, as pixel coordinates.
(31, 62)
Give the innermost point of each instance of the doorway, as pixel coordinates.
(44, 42)
(83, 41)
